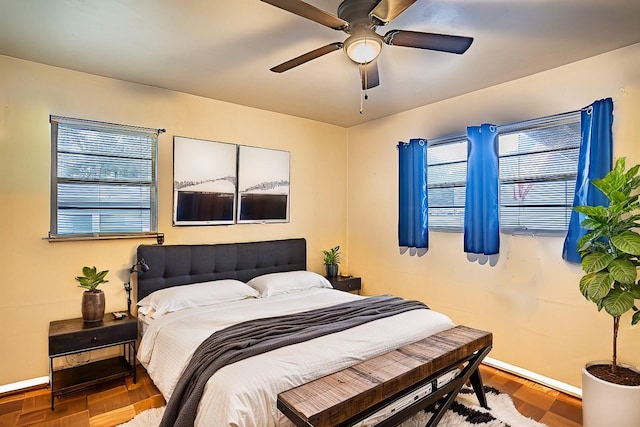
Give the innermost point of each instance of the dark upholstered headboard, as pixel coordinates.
(175, 265)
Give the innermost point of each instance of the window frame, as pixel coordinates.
(54, 234)
(536, 123)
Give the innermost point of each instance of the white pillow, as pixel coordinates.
(196, 295)
(287, 282)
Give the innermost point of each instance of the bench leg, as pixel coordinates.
(478, 388)
(470, 372)
(439, 413)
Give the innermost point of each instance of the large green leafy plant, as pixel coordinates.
(611, 248)
(91, 278)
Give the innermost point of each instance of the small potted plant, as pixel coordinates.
(93, 298)
(331, 261)
(610, 258)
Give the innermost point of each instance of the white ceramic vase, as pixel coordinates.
(606, 404)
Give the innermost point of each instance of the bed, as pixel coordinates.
(244, 393)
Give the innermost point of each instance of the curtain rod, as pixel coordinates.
(506, 127)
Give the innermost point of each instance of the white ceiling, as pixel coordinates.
(224, 49)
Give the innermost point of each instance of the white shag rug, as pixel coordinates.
(464, 412)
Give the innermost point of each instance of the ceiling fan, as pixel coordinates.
(359, 19)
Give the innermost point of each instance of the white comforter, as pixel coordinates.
(244, 393)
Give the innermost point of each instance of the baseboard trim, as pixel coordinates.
(541, 379)
(22, 385)
(549, 382)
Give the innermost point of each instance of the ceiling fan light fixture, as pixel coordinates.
(362, 49)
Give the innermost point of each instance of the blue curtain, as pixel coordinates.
(481, 223)
(413, 223)
(594, 162)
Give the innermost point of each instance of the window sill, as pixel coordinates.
(158, 236)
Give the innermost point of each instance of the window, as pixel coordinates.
(446, 182)
(538, 166)
(103, 179)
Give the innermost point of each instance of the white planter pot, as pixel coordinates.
(605, 404)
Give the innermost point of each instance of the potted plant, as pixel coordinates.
(93, 298)
(331, 261)
(610, 259)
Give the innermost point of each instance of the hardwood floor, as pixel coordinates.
(108, 404)
(541, 403)
(118, 401)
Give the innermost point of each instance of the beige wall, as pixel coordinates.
(36, 277)
(530, 299)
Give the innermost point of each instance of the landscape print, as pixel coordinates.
(263, 185)
(205, 182)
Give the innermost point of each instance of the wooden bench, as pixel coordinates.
(352, 394)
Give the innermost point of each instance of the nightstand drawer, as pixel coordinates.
(346, 284)
(104, 334)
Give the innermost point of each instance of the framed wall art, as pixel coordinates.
(204, 182)
(263, 185)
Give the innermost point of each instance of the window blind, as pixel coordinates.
(538, 169)
(446, 176)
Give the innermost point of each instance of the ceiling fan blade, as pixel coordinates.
(387, 10)
(431, 41)
(317, 53)
(308, 11)
(369, 75)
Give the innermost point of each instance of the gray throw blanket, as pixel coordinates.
(243, 340)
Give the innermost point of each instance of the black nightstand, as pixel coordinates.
(347, 284)
(75, 336)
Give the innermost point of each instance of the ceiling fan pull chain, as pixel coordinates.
(363, 91)
(363, 97)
